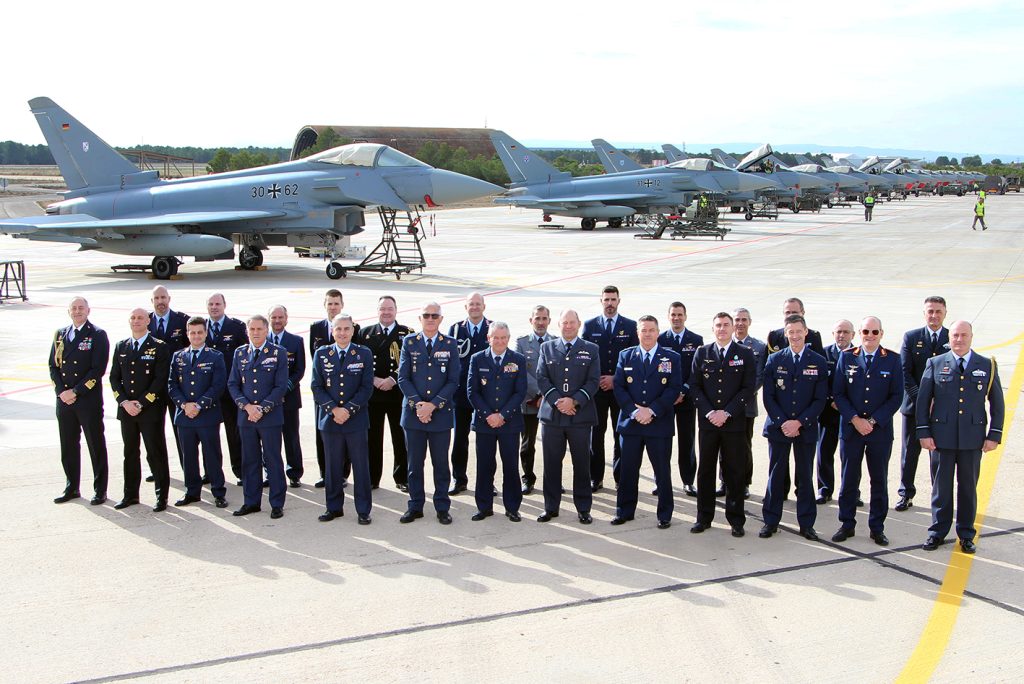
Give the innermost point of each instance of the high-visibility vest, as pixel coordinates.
(979, 209)
(869, 200)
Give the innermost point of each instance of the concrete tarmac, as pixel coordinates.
(194, 594)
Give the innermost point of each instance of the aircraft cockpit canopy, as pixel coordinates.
(371, 155)
(699, 164)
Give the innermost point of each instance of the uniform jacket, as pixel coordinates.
(957, 419)
(232, 336)
(761, 353)
(296, 368)
(576, 375)
(830, 415)
(777, 341)
(656, 388)
(869, 395)
(914, 354)
(79, 365)
(259, 379)
(623, 337)
(729, 387)
(794, 391)
(468, 345)
(690, 344)
(529, 347)
(387, 351)
(175, 330)
(141, 376)
(497, 389)
(345, 381)
(203, 384)
(434, 379)
(320, 334)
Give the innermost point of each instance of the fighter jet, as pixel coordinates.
(113, 206)
(763, 162)
(658, 190)
(840, 182)
(673, 153)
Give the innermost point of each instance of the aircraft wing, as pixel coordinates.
(85, 222)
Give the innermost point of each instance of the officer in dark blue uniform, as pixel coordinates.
(342, 384)
(777, 338)
(496, 389)
(258, 383)
(919, 346)
(795, 389)
(868, 389)
(138, 380)
(471, 336)
(197, 382)
(319, 335)
(529, 347)
(955, 427)
(828, 422)
(568, 376)
(292, 344)
(227, 334)
(78, 360)
(648, 382)
(684, 342)
(169, 326)
(611, 333)
(428, 375)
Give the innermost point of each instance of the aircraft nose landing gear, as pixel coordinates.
(165, 267)
(250, 258)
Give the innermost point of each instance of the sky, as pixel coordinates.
(934, 74)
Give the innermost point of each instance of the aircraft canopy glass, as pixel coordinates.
(365, 154)
(699, 164)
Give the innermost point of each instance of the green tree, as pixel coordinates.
(220, 162)
(953, 161)
(971, 160)
(942, 160)
(996, 162)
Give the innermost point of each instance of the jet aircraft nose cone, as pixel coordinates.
(449, 187)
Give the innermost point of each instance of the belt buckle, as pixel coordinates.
(565, 387)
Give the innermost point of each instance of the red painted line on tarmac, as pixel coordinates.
(23, 389)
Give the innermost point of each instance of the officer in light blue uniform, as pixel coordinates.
(954, 426)
(648, 381)
(258, 384)
(795, 390)
(428, 376)
(342, 385)
(197, 381)
(868, 390)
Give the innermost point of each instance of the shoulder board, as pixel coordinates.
(855, 351)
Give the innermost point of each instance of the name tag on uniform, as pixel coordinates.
(884, 374)
(354, 366)
(736, 362)
(442, 354)
(269, 360)
(810, 371)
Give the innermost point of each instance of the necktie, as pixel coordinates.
(568, 348)
(935, 339)
(962, 366)
(195, 355)
(867, 362)
(679, 340)
(608, 326)
(647, 362)
(135, 346)
(721, 356)
(255, 354)
(160, 327)
(430, 348)
(71, 335)
(216, 329)
(497, 361)
(277, 339)
(796, 359)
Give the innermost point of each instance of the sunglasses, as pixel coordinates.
(430, 315)
(870, 332)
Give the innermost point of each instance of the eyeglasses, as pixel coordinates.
(870, 332)
(430, 315)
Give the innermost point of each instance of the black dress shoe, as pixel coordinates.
(160, 506)
(513, 516)
(266, 484)
(931, 543)
(206, 479)
(320, 484)
(456, 488)
(444, 517)
(67, 496)
(860, 502)
(220, 502)
(654, 492)
(328, 516)
(276, 513)
(585, 518)
(364, 520)
(150, 478)
(185, 500)
(374, 487)
(527, 489)
(596, 486)
(294, 484)
(402, 487)
(480, 515)
(967, 546)
(842, 534)
(98, 500)
(620, 521)
(344, 483)
(246, 510)
(879, 538)
(720, 492)
(546, 516)
(664, 524)
(238, 482)
(823, 499)
(903, 504)
(410, 515)
(125, 503)
(809, 534)
(767, 531)
(698, 527)
(737, 531)
(746, 493)
(689, 490)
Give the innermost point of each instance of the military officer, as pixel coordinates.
(529, 347)
(568, 377)
(471, 336)
(342, 386)
(951, 420)
(828, 432)
(428, 376)
(384, 340)
(868, 389)
(169, 326)
(919, 345)
(78, 360)
(138, 380)
(684, 342)
(226, 334)
(741, 335)
(319, 335)
(197, 382)
(292, 344)
(258, 383)
(648, 383)
(795, 390)
(777, 338)
(722, 382)
(611, 333)
(496, 389)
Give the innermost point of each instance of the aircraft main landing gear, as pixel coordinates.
(249, 258)
(588, 224)
(335, 271)
(614, 223)
(165, 267)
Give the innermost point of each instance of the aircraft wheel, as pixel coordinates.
(795, 208)
(164, 267)
(614, 223)
(249, 258)
(259, 257)
(588, 223)
(829, 204)
(735, 210)
(335, 270)
(960, 193)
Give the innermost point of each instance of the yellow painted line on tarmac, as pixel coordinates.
(937, 631)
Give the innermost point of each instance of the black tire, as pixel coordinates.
(249, 258)
(588, 224)
(614, 223)
(164, 267)
(748, 216)
(829, 204)
(795, 208)
(335, 271)
(259, 257)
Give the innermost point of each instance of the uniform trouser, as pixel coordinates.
(213, 459)
(731, 447)
(528, 447)
(229, 412)
(392, 411)
(507, 444)
(261, 446)
(171, 410)
(460, 443)
(852, 452)
(976, 219)
(341, 448)
(606, 407)
(778, 468)
(553, 440)
(749, 445)
(346, 466)
(828, 440)
(152, 435)
(659, 451)
(686, 430)
(867, 211)
(416, 444)
(84, 416)
(967, 464)
(909, 456)
(292, 443)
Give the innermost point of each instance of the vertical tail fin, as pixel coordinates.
(613, 160)
(725, 158)
(673, 153)
(521, 163)
(84, 159)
